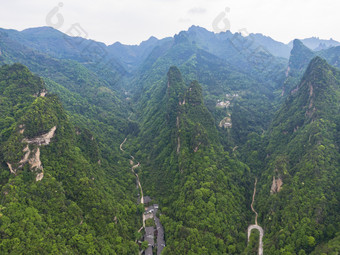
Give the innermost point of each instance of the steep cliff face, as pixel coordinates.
(300, 57)
(36, 127)
(299, 190)
(32, 157)
(195, 123)
(186, 168)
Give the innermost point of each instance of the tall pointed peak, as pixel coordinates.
(318, 89)
(174, 91)
(317, 63)
(298, 43)
(300, 55)
(319, 73)
(174, 75)
(182, 37)
(299, 46)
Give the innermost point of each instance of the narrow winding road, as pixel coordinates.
(256, 226)
(252, 202)
(159, 227)
(137, 177)
(121, 145)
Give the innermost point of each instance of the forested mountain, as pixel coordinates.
(193, 119)
(316, 44)
(283, 50)
(199, 185)
(252, 86)
(54, 178)
(299, 60)
(303, 165)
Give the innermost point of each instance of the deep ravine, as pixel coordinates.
(256, 226)
(153, 209)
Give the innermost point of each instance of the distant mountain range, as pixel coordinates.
(221, 131)
(133, 55)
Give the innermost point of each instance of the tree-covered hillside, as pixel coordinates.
(299, 196)
(200, 187)
(54, 196)
(218, 129)
(300, 56)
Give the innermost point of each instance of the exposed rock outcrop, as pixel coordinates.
(11, 168)
(276, 185)
(41, 93)
(27, 154)
(34, 161)
(178, 144)
(33, 157)
(44, 139)
(21, 128)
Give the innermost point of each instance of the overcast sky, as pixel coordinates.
(133, 21)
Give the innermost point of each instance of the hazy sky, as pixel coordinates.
(132, 21)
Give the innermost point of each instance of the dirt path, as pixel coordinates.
(121, 145)
(256, 226)
(141, 189)
(160, 229)
(252, 203)
(139, 185)
(137, 177)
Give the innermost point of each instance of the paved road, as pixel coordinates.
(251, 227)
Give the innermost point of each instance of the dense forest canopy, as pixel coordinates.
(199, 136)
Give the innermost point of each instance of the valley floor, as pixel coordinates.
(149, 213)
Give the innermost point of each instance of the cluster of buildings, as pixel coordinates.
(156, 231)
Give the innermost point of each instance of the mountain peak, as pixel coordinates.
(197, 28)
(319, 73)
(22, 80)
(314, 98)
(299, 45)
(318, 88)
(300, 55)
(151, 41)
(152, 38)
(182, 37)
(41, 30)
(174, 75)
(317, 62)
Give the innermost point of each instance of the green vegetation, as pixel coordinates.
(186, 169)
(69, 210)
(303, 152)
(74, 192)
